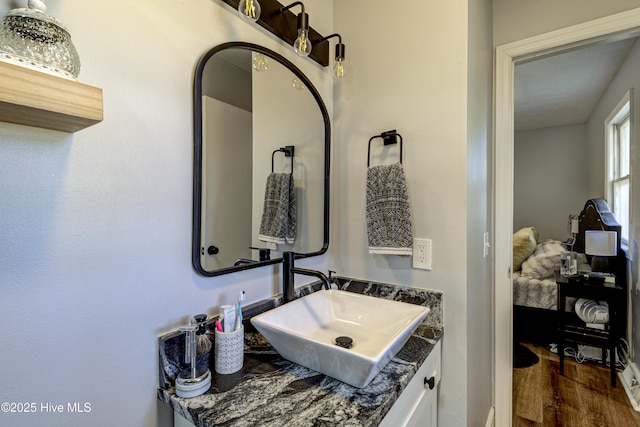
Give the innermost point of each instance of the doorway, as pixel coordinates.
(621, 25)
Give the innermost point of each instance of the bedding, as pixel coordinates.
(537, 293)
(535, 298)
(534, 285)
(544, 260)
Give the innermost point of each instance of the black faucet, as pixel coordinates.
(288, 272)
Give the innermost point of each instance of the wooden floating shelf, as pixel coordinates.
(33, 98)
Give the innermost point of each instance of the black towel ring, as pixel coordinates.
(389, 138)
(288, 151)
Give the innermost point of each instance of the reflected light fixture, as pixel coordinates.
(338, 67)
(302, 45)
(259, 62)
(297, 84)
(249, 10)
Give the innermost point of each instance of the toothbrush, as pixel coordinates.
(241, 297)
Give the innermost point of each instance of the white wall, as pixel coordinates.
(627, 77)
(479, 165)
(96, 226)
(409, 71)
(550, 178)
(519, 19)
(229, 229)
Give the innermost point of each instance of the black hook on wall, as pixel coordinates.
(288, 151)
(389, 138)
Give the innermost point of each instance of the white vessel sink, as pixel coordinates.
(304, 331)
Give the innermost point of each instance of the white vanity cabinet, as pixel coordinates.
(418, 403)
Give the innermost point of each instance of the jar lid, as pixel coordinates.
(31, 38)
(36, 9)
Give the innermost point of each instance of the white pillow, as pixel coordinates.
(524, 243)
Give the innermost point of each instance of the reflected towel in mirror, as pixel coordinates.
(389, 228)
(278, 223)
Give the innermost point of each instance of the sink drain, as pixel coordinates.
(345, 342)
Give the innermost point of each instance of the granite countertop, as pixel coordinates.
(271, 391)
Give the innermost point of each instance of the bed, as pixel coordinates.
(535, 264)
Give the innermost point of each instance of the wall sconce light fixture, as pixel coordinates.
(249, 9)
(280, 21)
(302, 45)
(338, 67)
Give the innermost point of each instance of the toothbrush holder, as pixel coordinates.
(229, 351)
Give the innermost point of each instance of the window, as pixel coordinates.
(618, 185)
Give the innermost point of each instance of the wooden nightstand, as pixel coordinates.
(572, 329)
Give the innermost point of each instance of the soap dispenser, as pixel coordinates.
(195, 379)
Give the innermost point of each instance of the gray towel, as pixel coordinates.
(388, 212)
(278, 223)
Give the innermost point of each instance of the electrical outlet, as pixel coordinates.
(422, 254)
(270, 245)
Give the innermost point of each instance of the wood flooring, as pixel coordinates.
(583, 397)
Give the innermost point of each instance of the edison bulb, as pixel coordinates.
(297, 84)
(249, 9)
(338, 69)
(302, 45)
(260, 62)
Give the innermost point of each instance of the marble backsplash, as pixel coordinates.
(424, 297)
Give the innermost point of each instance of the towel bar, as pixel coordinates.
(389, 138)
(288, 151)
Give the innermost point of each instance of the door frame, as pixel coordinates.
(618, 26)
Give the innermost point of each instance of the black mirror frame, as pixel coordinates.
(197, 159)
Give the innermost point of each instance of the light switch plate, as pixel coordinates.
(487, 245)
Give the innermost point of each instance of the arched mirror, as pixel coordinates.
(261, 161)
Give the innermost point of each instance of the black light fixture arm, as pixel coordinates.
(295, 3)
(303, 17)
(339, 46)
(329, 37)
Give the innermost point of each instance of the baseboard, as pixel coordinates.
(630, 379)
(491, 418)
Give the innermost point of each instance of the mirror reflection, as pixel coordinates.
(260, 161)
